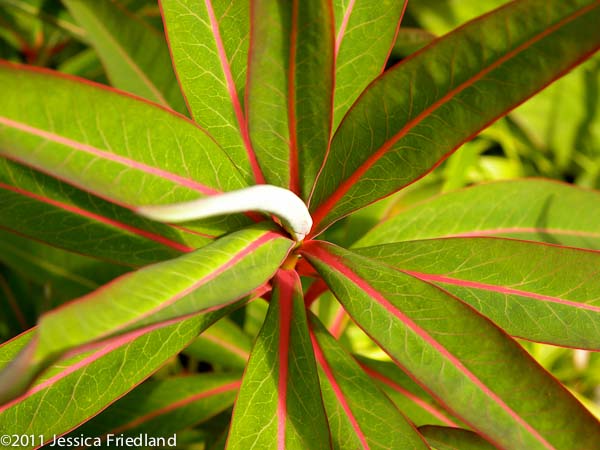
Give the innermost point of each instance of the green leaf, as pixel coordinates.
(116, 34)
(534, 291)
(419, 112)
(207, 279)
(441, 16)
(365, 34)
(563, 118)
(77, 388)
(408, 41)
(84, 64)
(209, 44)
(79, 222)
(462, 359)
(279, 404)
(162, 407)
(534, 210)
(445, 438)
(115, 146)
(410, 398)
(224, 344)
(290, 89)
(359, 414)
(48, 12)
(67, 275)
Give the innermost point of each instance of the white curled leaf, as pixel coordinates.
(282, 203)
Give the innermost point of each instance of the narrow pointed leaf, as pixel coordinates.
(418, 112)
(360, 415)
(290, 89)
(35, 8)
(74, 390)
(410, 398)
(207, 279)
(457, 355)
(365, 33)
(534, 291)
(115, 34)
(115, 146)
(66, 275)
(162, 407)
(45, 209)
(209, 46)
(224, 344)
(445, 438)
(279, 405)
(535, 210)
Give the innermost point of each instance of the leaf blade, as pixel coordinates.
(279, 405)
(346, 391)
(117, 147)
(162, 407)
(444, 325)
(110, 366)
(289, 97)
(529, 209)
(209, 47)
(115, 34)
(446, 102)
(197, 282)
(535, 291)
(445, 438)
(365, 34)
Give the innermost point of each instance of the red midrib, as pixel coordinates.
(98, 218)
(412, 397)
(285, 280)
(231, 88)
(325, 207)
(107, 349)
(178, 404)
(316, 250)
(294, 162)
(500, 289)
(103, 154)
(232, 261)
(320, 357)
(342, 31)
(528, 230)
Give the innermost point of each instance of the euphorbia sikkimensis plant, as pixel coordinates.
(293, 95)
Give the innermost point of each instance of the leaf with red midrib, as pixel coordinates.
(115, 34)
(289, 91)
(81, 386)
(417, 113)
(445, 438)
(116, 146)
(530, 209)
(457, 355)
(365, 34)
(163, 407)
(279, 404)
(360, 415)
(208, 279)
(534, 291)
(209, 47)
(409, 397)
